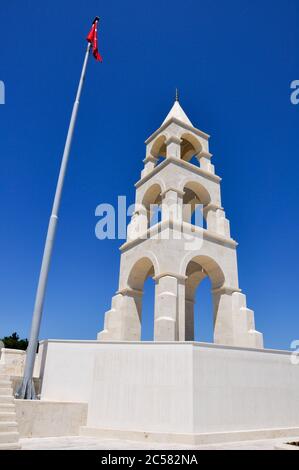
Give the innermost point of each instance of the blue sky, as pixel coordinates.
(232, 61)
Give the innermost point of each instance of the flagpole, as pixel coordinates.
(27, 389)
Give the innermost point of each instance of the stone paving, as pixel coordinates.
(90, 443)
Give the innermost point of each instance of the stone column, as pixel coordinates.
(205, 161)
(223, 226)
(223, 317)
(216, 220)
(130, 318)
(189, 319)
(234, 322)
(149, 164)
(172, 205)
(166, 308)
(210, 215)
(181, 308)
(112, 321)
(173, 147)
(139, 223)
(193, 280)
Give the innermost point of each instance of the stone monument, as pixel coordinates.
(175, 252)
(174, 389)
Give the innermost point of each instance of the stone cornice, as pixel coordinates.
(172, 344)
(182, 163)
(181, 124)
(183, 227)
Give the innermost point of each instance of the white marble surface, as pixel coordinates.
(176, 387)
(39, 418)
(89, 443)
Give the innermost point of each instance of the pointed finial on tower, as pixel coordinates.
(177, 112)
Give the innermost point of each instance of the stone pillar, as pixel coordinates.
(223, 317)
(123, 321)
(173, 147)
(112, 321)
(205, 161)
(181, 308)
(172, 205)
(244, 326)
(166, 310)
(216, 220)
(139, 223)
(149, 164)
(189, 320)
(233, 321)
(210, 215)
(131, 315)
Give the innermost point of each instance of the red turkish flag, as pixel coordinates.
(92, 37)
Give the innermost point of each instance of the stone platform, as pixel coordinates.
(93, 443)
(192, 393)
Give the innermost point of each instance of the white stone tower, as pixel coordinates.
(174, 251)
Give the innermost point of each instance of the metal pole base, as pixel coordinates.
(26, 390)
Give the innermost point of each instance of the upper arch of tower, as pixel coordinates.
(177, 122)
(159, 146)
(177, 131)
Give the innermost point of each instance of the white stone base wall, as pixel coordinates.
(49, 419)
(181, 389)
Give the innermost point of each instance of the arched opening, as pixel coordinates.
(158, 149)
(141, 282)
(190, 149)
(203, 312)
(148, 309)
(151, 203)
(203, 274)
(195, 199)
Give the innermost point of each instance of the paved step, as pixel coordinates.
(5, 383)
(6, 399)
(9, 426)
(9, 437)
(7, 416)
(10, 446)
(7, 407)
(5, 377)
(6, 391)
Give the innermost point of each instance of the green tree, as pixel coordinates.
(14, 342)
